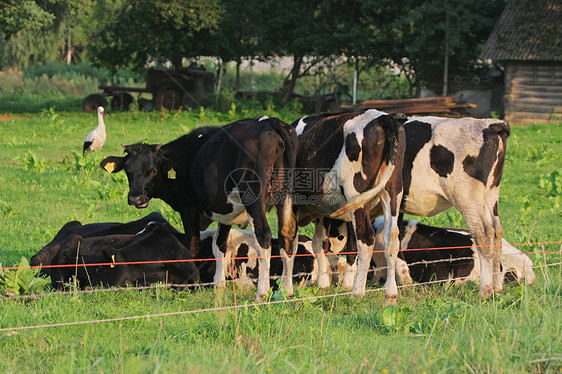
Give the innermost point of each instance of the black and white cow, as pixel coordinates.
(241, 259)
(224, 174)
(353, 159)
(458, 259)
(45, 256)
(161, 257)
(458, 162)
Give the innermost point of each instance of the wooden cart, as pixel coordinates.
(170, 89)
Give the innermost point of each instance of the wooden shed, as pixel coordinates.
(527, 39)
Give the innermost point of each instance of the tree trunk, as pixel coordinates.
(291, 79)
(446, 62)
(237, 80)
(68, 46)
(177, 63)
(219, 74)
(355, 80)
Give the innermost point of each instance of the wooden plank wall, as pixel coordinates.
(533, 92)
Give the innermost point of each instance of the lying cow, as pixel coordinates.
(223, 174)
(166, 259)
(459, 257)
(48, 252)
(241, 259)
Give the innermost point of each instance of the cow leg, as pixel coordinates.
(351, 258)
(219, 250)
(497, 278)
(262, 237)
(288, 234)
(318, 240)
(190, 222)
(365, 235)
(487, 234)
(391, 242)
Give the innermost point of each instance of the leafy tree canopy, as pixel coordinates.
(18, 15)
(155, 31)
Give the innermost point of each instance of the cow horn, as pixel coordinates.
(158, 147)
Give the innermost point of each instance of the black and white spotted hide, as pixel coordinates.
(458, 162)
(241, 259)
(355, 158)
(458, 259)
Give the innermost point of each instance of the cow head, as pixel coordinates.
(146, 167)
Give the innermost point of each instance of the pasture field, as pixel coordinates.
(45, 182)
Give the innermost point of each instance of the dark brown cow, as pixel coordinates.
(167, 260)
(221, 174)
(46, 254)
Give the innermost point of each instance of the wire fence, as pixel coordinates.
(229, 307)
(73, 265)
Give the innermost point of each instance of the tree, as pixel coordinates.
(417, 33)
(293, 29)
(155, 31)
(236, 37)
(20, 15)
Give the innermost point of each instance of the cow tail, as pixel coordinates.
(289, 137)
(502, 130)
(392, 145)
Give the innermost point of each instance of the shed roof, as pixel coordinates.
(527, 30)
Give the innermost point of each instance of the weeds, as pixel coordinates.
(22, 281)
(32, 163)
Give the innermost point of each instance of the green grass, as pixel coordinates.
(44, 183)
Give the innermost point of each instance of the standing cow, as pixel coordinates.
(457, 162)
(224, 174)
(344, 162)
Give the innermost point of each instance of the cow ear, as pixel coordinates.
(113, 164)
(170, 168)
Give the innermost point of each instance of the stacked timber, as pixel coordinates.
(442, 105)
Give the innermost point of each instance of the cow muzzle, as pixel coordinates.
(139, 201)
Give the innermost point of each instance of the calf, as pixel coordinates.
(458, 162)
(241, 259)
(166, 259)
(344, 162)
(45, 255)
(458, 259)
(221, 174)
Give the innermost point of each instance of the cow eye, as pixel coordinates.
(153, 171)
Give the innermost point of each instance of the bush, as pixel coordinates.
(61, 80)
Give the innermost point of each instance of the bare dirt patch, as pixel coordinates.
(6, 117)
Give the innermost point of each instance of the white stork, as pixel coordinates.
(96, 137)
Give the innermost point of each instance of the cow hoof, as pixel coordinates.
(486, 292)
(262, 298)
(357, 294)
(347, 285)
(408, 281)
(323, 281)
(391, 299)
